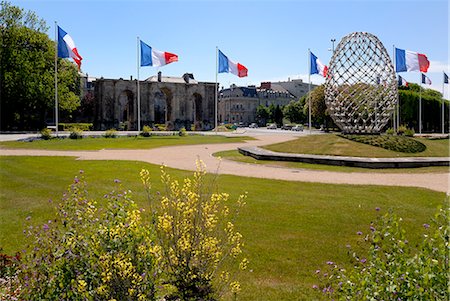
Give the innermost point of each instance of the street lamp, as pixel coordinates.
(332, 41)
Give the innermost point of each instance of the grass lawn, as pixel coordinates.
(331, 144)
(119, 142)
(234, 155)
(290, 228)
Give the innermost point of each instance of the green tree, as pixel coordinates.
(319, 114)
(27, 72)
(262, 115)
(294, 111)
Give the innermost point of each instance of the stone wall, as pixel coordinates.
(175, 104)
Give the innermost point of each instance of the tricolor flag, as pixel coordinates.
(228, 66)
(402, 81)
(445, 78)
(317, 67)
(425, 79)
(406, 60)
(156, 58)
(67, 48)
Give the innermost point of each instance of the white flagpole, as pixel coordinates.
(309, 90)
(138, 89)
(56, 78)
(397, 107)
(420, 104)
(216, 109)
(443, 103)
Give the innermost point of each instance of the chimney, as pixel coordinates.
(131, 77)
(159, 76)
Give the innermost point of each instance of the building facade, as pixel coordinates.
(239, 104)
(175, 102)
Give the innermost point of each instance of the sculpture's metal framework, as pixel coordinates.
(361, 85)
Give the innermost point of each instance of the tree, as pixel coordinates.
(319, 114)
(27, 72)
(294, 111)
(262, 115)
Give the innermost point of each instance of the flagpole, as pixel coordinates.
(420, 104)
(215, 92)
(56, 79)
(397, 107)
(443, 103)
(138, 90)
(309, 90)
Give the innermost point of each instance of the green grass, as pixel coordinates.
(120, 142)
(290, 228)
(234, 155)
(331, 144)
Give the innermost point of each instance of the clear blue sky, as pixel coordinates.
(271, 38)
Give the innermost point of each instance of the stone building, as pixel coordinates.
(175, 102)
(239, 104)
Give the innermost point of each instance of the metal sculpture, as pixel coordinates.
(361, 86)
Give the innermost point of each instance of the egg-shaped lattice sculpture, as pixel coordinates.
(361, 86)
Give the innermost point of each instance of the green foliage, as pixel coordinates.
(394, 143)
(146, 131)
(89, 253)
(46, 134)
(161, 127)
(76, 134)
(294, 111)
(182, 132)
(70, 126)
(386, 267)
(409, 133)
(27, 71)
(390, 131)
(111, 133)
(262, 115)
(196, 237)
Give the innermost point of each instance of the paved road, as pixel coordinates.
(183, 157)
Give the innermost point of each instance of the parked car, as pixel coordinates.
(253, 125)
(298, 128)
(272, 126)
(286, 127)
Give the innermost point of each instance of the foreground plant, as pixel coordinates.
(196, 237)
(391, 269)
(88, 253)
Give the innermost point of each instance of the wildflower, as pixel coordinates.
(363, 260)
(45, 227)
(359, 233)
(28, 218)
(315, 286)
(81, 171)
(330, 262)
(317, 271)
(426, 226)
(372, 229)
(76, 180)
(348, 246)
(377, 208)
(116, 181)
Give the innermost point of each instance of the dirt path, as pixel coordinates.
(183, 157)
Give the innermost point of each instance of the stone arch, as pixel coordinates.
(168, 107)
(125, 112)
(197, 111)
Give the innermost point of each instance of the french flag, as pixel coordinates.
(156, 58)
(402, 81)
(67, 48)
(406, 60)
(426, 80)
(228, 66)
(317, 67)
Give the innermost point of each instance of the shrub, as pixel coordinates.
(46, 134)
(112, 133)
(161, 127)
(409, 132)
(401, 130)
(90, 253)
(70, 126)
(196, 238)
(76, 133)
(389, 269)
(146, 131)
(394, 143)
(182, 132)
(390, 132)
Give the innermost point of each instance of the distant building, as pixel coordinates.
(239, 104)
(174, 101)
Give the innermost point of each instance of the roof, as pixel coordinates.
(171, 79)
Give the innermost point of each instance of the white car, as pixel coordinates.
(253, 126)
(298, 128)
(272, 126)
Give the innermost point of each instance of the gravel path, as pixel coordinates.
(183, 157)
